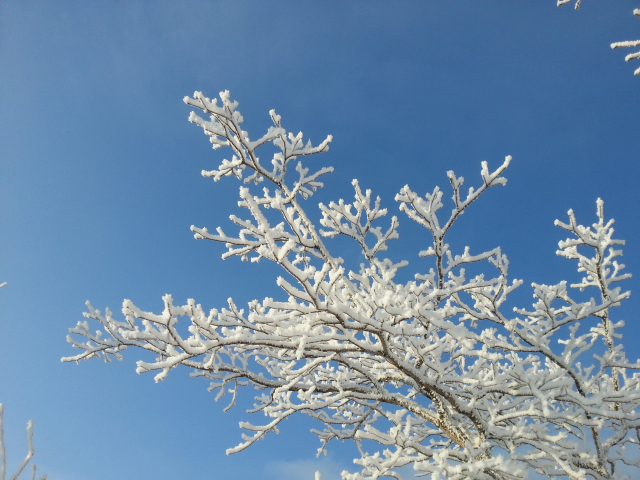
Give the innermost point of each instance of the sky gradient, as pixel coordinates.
(100, 182)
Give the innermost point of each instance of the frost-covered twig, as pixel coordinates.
(27, 459)
(355, 225)
(576, 6)
(432, 370)
(634, 43)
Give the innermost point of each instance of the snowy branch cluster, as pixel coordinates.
(631, 43)
(432, 373)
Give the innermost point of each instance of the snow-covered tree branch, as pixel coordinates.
(436, 371)
(27, 459)
(631, 43)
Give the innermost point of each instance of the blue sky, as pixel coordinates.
(100, 182)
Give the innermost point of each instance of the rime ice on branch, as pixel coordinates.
(27, 459)
(432, 371)
(632, 43)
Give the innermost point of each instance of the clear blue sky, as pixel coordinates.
(100, 182)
